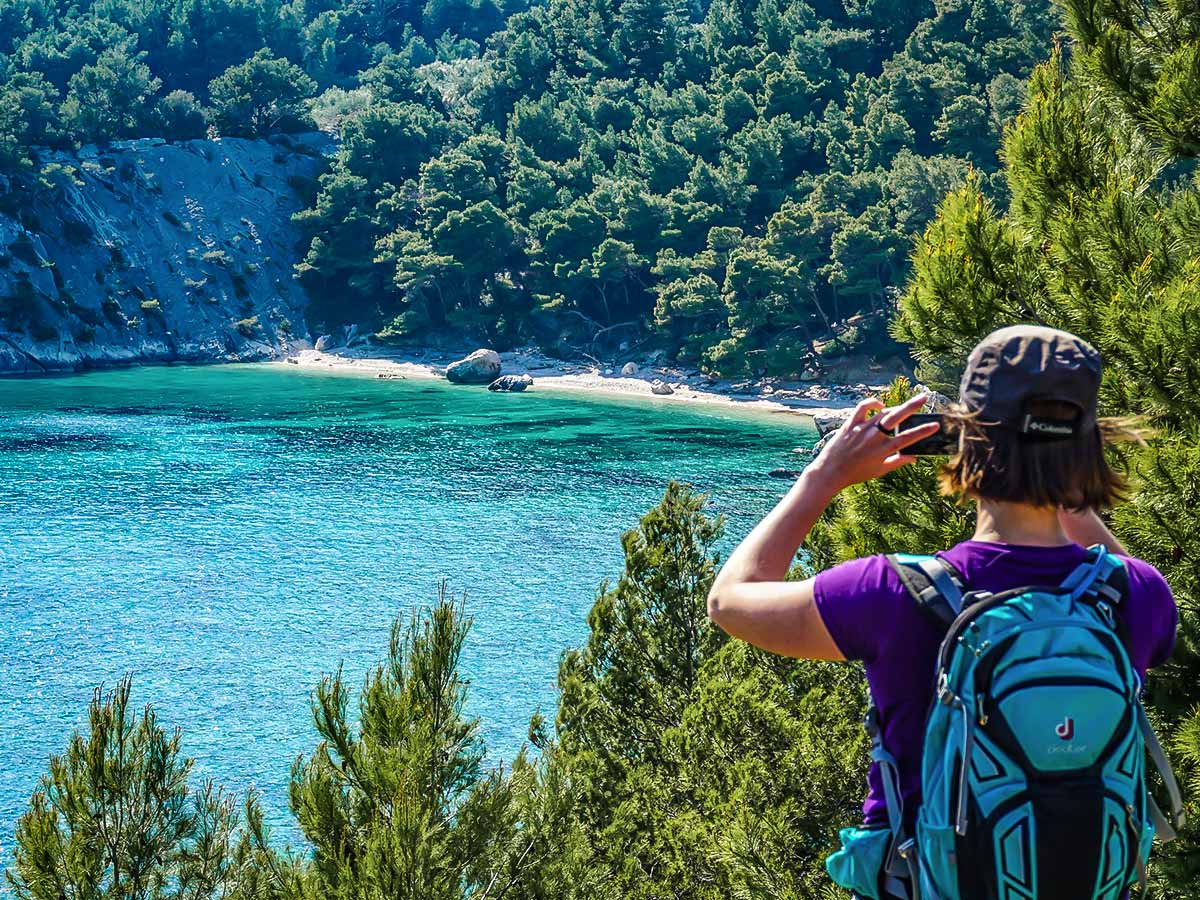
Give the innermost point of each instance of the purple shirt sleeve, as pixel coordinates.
(1153, 605)
(857, 603)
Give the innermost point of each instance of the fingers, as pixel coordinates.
(896, 461)
(892, 417)
(910, 436)
(864, 409)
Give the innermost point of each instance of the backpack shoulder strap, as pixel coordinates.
(1102, 577)
(935, 585)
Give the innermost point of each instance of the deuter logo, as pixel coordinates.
(1066, 733)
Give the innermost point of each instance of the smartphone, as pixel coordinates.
(941, 443)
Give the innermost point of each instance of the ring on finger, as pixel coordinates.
(890, 432)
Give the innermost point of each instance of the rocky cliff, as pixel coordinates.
(147, 251)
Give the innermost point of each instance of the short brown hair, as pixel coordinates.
(996, 463)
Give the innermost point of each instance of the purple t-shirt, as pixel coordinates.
(872, 618)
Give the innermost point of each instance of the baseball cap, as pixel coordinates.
(1015, 365)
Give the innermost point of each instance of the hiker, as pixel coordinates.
(1020, 772)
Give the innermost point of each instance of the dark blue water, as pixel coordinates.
(228, 534)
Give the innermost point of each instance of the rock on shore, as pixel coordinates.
(148, 251)
(480, 367)
(511, 383)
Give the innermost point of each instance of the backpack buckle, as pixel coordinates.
(945, 696)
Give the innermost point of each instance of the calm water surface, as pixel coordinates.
(229, 534)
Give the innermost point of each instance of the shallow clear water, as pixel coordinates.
(228, 534)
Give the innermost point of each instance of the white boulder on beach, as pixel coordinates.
(480, 367)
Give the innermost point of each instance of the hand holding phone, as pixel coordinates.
(941, 443)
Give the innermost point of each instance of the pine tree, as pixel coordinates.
(115, 819)
(395, 802)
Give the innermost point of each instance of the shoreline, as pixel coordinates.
(815, 400)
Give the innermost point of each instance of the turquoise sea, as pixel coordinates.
(229, 534)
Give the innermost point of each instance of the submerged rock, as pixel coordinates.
(511, 383)
(481, 367)
(661, 388)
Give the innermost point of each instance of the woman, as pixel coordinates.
(1030, 456)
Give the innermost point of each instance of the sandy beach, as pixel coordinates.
(822, 401)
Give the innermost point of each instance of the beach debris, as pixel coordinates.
(660, 387)
(480, 367)
(293, 361)
(324, 342)
(390, 375)
(630, 368)
(511, 382)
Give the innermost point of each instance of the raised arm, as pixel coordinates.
(1087, 528)
(749, 598)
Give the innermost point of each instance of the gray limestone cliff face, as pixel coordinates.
(147, 251)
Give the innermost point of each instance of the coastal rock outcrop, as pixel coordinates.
(630, 368)
(511, 383)
(147, 251)
(828, 422)
(661, 388)
(480, 367)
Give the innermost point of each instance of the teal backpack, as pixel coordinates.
(1033, 769)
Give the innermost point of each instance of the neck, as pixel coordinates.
(1018, 523)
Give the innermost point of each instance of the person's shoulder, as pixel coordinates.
(861, 574)
(856, 600)
(1151, 613)
(1146, 581)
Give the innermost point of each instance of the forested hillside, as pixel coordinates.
(737, 183)
(96, 72)
(734, 180)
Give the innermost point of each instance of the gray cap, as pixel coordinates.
(1014, 365)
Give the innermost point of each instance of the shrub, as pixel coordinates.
(247, 327)
(181, 117)
(217, 257)
(116, 814)
(152, 308)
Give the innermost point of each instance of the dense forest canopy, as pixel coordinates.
(736, 183)
(95, 72)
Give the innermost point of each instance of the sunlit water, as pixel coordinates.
(229, 534)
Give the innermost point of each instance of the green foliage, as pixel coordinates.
(116, 818)
(396, 804)
(108, 99)
(262, 95)
(181, 117)
(603, 167)
(704, 767)
(1099, 238)
(72, 73)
